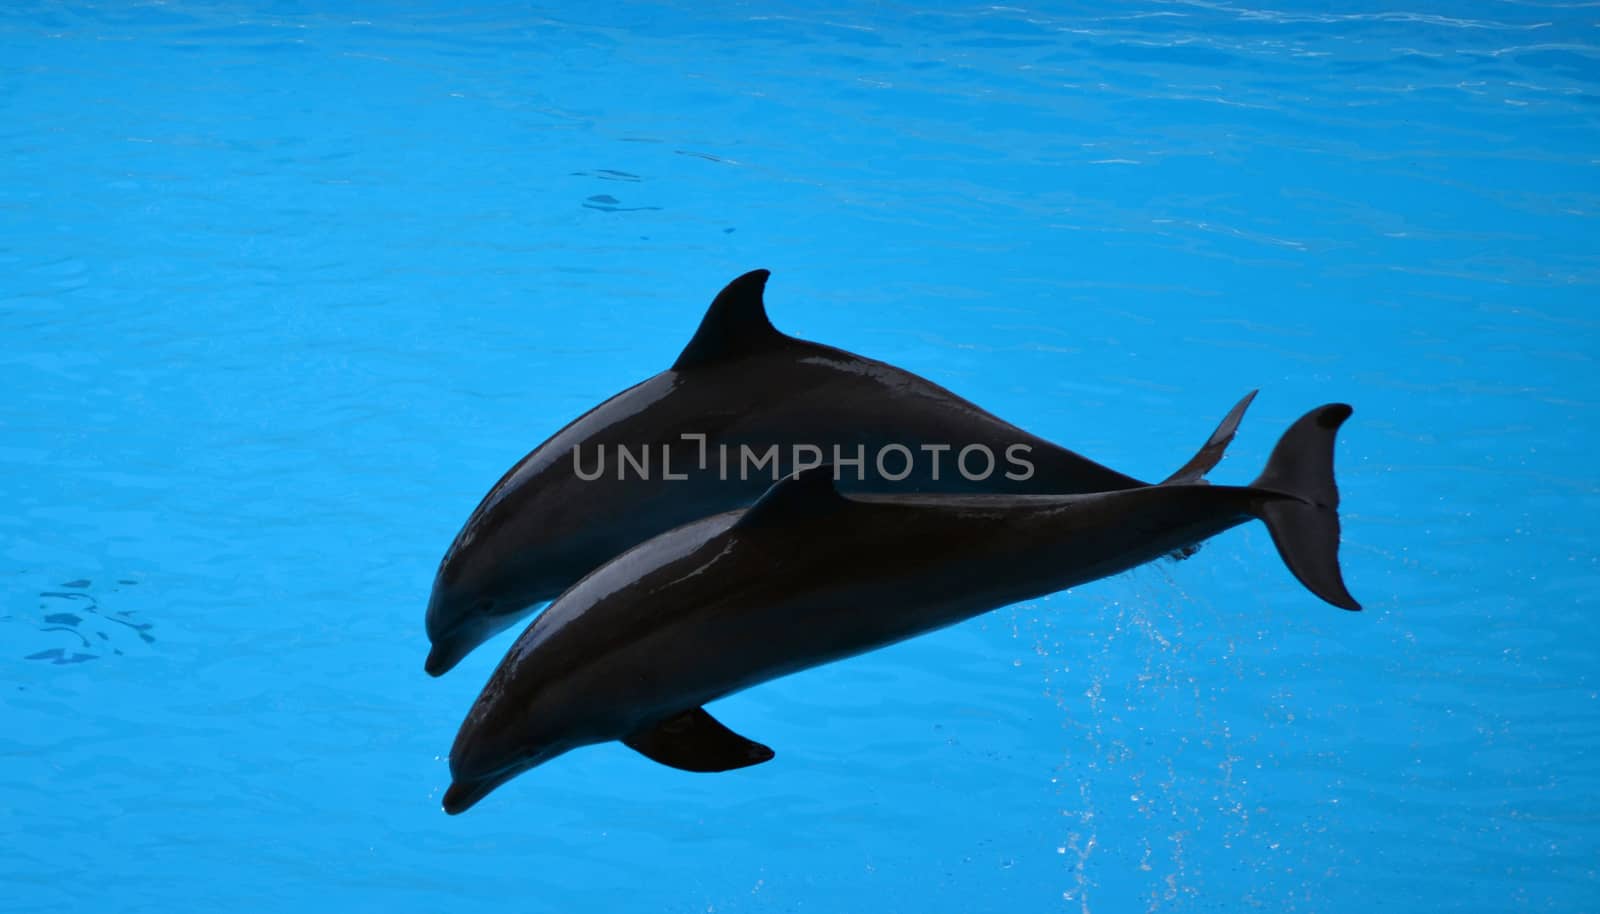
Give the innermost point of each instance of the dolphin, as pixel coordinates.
(809, 575)
(739, 383)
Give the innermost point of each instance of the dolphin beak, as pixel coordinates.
(462, 797)
(464, 794)
(442, 658)
(452, 645)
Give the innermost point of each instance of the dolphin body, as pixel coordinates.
(739, 382)
(809, 575)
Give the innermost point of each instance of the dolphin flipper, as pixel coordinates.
(696, 741)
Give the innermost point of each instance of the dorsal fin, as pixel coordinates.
(736, 324)
(804, 494)
(1210, 453)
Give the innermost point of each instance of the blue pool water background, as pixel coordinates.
(285, 287)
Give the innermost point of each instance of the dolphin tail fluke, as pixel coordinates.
(1305, 524)
(1211, 452)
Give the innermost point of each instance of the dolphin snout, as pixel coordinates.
(465, 792)
(463, 795)
(443, 657)
(456, 632)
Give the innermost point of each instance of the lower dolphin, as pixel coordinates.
(809, 575)
(739, 386)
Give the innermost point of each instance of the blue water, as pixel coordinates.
(283, 291)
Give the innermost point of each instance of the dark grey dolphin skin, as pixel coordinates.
(809, 575)
(738, 382)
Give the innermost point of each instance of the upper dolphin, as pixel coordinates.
(738, 383)
(808, 575)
